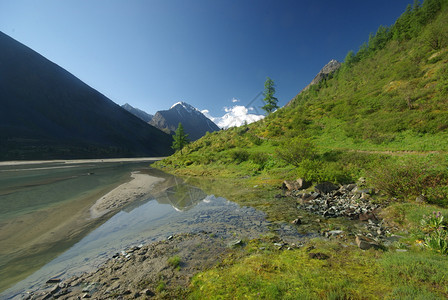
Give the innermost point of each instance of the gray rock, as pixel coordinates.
(297, 221)
(318, 255)
(53, 280)
(303, 183)
(421, 199)
(291, 185)
(365, 243)
(328, 69)
(326, 187)
(235, 243)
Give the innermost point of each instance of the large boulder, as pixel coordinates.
(326, 187)
(294, 185)
(364, 243)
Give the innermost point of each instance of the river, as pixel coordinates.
(38, 241)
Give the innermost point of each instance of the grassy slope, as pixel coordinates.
(393, 99)
(385, 118)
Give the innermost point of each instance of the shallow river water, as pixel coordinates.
(175, 207)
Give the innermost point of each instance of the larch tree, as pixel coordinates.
(180, 138)
(269, 99)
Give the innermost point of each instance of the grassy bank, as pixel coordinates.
(382, 116)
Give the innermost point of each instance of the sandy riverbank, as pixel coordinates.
(28, 241)
(136, 189)
(79, 161)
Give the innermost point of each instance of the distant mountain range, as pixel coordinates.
(138, 112)
(193, 121)
(48, 113)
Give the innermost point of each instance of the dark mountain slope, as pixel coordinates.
(193, 121)
(138, 112)
(46, 112)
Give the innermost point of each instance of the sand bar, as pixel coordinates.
(136, 189)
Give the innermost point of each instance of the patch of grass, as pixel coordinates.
(419, 274)
(161, 286)
(174, 261)
(346, 274)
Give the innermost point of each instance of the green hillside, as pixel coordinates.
(382, 116)
(387, 100)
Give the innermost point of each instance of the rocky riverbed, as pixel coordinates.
(161, 269)
(351, 201)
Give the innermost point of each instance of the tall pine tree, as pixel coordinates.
(269, 99)
(180, 138)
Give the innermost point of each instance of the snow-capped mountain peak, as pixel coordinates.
(186, 106)
(194, 122)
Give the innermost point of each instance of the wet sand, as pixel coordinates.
(136, 189)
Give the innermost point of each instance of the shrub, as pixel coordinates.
(239, 155)
(410, 177)
(320, 171)
(255, 140)
(259, 158)
(296, 150)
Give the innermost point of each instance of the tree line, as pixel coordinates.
(409, 25)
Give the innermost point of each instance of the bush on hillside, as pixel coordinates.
(260, 159)
(319, 171)
(411, 177)
(239, 155)
(295, 150)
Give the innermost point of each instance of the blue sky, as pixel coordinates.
(153, 53)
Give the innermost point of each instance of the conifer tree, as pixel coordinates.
(180, 138)
(269, 99)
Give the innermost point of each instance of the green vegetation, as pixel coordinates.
(386, 103)
(382, 116)
(348, 273)
(174, 261)
(436, 232)
(269, 99)
(180, 138)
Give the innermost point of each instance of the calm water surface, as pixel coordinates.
(176, 207)
(36, 199)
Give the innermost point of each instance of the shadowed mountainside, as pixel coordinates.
(47, 113)
(138, 112)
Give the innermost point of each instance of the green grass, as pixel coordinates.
(174, 261)
(416, 274)
(348, 273)
(382, 116)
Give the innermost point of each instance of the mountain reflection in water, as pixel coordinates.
(181, 197)
(179, 208)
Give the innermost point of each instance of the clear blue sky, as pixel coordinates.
(153, 53)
